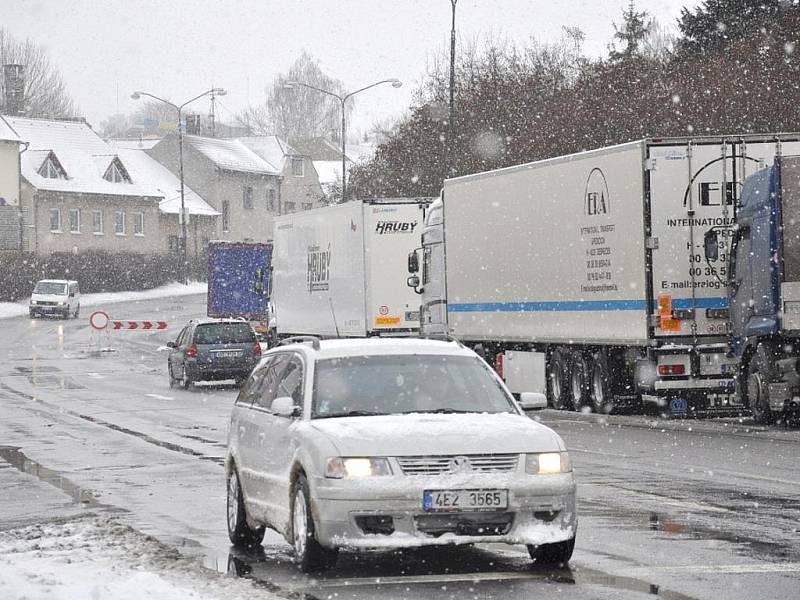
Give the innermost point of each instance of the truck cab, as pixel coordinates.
(764, 289)
(430, 284)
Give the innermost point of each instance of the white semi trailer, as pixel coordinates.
(585, 275)
(337, 270)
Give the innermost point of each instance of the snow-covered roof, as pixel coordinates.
(7, 134)
(79, 151)
(360, 152)
(328, 171)
(142, 166)
(271, 148)
(230, 155)
(134, 143)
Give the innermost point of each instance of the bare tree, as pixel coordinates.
(45, 94)
(299, 112)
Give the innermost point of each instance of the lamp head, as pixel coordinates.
(219, 91)
(290, 85)
(135, 96)
(396, 83)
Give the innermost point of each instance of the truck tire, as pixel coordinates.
(601, 394)
(579, 380)
(558, 371)
(760, 373)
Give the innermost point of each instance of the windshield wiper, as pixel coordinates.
(351, 413)
(446, 411)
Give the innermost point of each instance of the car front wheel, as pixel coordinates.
(552, 554)
(309, 554)
(239, 532)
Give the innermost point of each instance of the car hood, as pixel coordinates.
(50, 297)
(426, 434)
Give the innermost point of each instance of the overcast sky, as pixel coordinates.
(105, 49)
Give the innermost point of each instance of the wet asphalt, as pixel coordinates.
(673, 509)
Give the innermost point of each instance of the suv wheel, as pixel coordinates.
(185, 380)
(309, 554)
(239, 532)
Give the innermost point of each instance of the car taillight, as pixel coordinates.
(191, 351)
(671, 369)
(256, 349)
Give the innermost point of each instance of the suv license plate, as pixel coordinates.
(464, 500)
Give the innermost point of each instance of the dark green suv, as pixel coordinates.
(213, 350)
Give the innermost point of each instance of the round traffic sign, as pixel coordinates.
(99, 319)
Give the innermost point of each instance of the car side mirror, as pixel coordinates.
(72, 294)
(711, 245)
(413, 262)
(413, 281)
(172, 344)
(284, 407)
(533, 400)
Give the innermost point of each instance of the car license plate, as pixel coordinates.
(464, 500)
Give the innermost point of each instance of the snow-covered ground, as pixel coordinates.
(16, 309)
(94, 558)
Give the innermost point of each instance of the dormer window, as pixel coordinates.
(51, 168)
(116, 173)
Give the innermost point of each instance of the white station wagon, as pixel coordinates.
(389, 444)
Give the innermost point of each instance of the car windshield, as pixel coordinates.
(408, 383)
(224, 333)
(50, 287)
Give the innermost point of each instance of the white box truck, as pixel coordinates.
(585, 275)
(338, 270)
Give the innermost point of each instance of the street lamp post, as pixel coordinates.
(451, 126)
(396, 83)
(179, 108)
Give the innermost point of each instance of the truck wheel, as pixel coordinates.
(759, 376)
(557, 380)
(601, 390)
(580, 375)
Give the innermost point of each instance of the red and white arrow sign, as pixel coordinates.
(139, 324)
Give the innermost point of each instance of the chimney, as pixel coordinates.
(193, 125)
(13, 84)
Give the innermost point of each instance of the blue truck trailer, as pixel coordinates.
(762, 280)
(239, 282)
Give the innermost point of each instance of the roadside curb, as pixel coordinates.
(728, 426)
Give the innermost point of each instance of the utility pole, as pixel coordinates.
(450, 125)
(213, 114)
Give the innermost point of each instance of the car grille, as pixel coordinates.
(440, 465)
(46, 303)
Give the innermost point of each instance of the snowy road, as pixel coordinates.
(695, 509)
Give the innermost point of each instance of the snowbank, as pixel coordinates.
(99, 558)
(16, 309)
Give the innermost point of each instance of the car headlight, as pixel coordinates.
(337, 467)
(548, 463)
(62, 303)
(34, 302)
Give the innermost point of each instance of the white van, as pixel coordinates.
(57, 297)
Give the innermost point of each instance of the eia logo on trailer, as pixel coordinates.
(596, 199)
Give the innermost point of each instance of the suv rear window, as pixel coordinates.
(224, 333)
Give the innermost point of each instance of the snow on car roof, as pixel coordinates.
(383, 346)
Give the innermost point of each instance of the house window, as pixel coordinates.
(119, 222)
(55, 219)
(116, 173)
(306, 206)
(75, 220)
(226, 216)
(271, 200)
(51, 168)
(247, 198)
(288, 207)
(138, 223)
(97, 222)
(297, 167)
